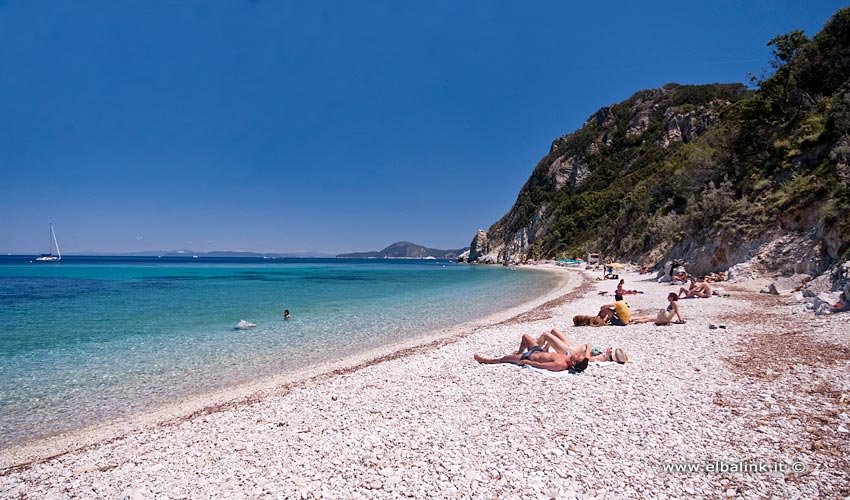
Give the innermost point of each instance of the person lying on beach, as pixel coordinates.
(664, 316)
(679, 278)
(532, 354)
(558, 342)
(701, 290)
(622, 290)
(616, 313)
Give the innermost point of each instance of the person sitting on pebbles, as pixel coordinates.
(664, 316)
(616, 313)
(560, 343)
(532, 354)
(621, 289)
(700, 290)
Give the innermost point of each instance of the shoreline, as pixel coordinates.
(40, 449)
(433, 423)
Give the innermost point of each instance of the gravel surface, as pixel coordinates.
(769, 388)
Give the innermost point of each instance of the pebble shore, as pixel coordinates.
(772, 387)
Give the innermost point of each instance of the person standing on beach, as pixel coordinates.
(616, 313)
(532, 354)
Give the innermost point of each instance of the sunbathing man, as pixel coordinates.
(693, 284)
(557, 341)
(616, 313)
(532, 354)
(701, 290)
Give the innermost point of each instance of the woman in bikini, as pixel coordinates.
(664, 316)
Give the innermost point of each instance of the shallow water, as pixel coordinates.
(89, 339)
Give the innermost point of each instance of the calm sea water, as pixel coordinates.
(89, 339)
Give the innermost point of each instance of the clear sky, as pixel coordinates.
(284, 126)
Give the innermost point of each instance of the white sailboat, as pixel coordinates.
(49, 257)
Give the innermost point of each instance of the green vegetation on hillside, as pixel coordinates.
(753, 159)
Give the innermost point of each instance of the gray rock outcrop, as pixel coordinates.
(787, 285)
(685, 126)
(479, 249)
(567, 172)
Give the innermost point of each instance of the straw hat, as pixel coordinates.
(619, 356)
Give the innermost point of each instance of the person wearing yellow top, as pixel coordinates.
(616, 313)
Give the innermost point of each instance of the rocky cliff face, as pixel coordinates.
(718, 175)
(652, 119)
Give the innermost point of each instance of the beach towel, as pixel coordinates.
(563, 374)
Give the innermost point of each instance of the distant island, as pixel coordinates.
(406, 250)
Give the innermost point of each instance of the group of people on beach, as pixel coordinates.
(618, 313)
(555, 352)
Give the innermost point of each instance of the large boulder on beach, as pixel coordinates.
(821, 284)
(671, 268)
(740, 271)
(825, 303)
(829, 292)
(787, 285)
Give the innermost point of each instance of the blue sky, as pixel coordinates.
(323, 126)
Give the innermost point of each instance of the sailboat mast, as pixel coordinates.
(55, 241)
(50, 240)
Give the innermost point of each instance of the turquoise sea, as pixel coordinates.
(89, 339)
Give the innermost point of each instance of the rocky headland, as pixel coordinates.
(721, 175)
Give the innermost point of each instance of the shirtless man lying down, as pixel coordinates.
(532, 354)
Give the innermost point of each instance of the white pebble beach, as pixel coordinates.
(770, 388)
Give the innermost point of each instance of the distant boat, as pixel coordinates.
(49, 257)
